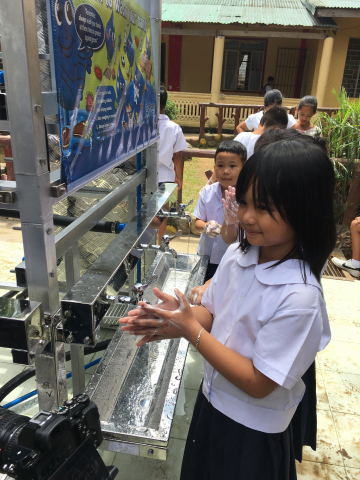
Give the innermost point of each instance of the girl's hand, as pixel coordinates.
(157, 322)
(195, 295)
(212, 229)
(230, 207)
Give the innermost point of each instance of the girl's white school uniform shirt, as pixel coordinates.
(271, 317)
(210, 207)
(248, 139)
(253, 120)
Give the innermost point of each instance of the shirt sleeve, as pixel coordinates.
(287, 345)
(179, 140)
(251, 121)
(291, 121)
(200, 209)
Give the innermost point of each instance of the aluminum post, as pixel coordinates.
(24, 104)
(72, 270)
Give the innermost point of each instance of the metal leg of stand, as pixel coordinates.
(51, 377)
(77, 368)
(72, 269)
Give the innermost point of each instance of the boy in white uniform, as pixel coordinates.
(275, 117)
(230, 157)
(172, 142)
(272, 97)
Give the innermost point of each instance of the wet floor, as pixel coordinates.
(338, 385)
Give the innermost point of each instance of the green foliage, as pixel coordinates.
(171, 109)
(342, 133)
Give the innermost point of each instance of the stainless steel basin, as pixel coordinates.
(135, 388)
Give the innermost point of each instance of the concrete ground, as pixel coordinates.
(338, 385)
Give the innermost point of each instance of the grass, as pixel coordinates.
(194, 179)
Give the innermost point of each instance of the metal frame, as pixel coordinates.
(26, 107)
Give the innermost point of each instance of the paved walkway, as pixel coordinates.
(338, 386)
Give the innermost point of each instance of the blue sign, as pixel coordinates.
(105, 84)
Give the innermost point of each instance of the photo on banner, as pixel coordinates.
(105, 81)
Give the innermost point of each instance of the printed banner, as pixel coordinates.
(104, 63)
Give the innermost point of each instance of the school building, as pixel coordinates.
(223, 51)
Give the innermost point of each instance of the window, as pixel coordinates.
(243, 65)
(351, 79)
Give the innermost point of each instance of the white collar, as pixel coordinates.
(288, 272)
(163, 116)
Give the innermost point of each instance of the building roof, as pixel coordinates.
(313, 5)
(266, 12)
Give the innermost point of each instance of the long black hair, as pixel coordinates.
(297, 178)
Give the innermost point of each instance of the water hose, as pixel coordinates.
(19, 379)
(34, 392)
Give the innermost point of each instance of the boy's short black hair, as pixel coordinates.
(275, 117)
(271, 79)
(308, 101)
(273, 97)
(275, 135)
(163, 97)
(232, 146)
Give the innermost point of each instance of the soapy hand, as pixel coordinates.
(212, 229)
(230, 207)
(195, 295)
(156, 322)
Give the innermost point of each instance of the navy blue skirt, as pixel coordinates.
(218, 448)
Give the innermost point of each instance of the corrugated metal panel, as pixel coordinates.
(335, 3)
(267, 12)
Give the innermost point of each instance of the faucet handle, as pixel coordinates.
(166, 239)
(182, 206)
(139, 288)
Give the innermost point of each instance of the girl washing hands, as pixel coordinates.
(263, 318)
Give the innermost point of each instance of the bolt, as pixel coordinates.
(49, 231)
(36, 333)
(86, 341)
(52, 273)
(67, 313)
(37, 108)
(70, 338)
(42, 161)
(42, 342)
(150, 452)
(45, 385)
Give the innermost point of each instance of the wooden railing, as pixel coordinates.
(239, 113)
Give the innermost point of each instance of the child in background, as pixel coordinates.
(273, 97)
(269, 86)
(263, 318)
(353, 264)
(306, 110)
(230, 156)
(275, 117)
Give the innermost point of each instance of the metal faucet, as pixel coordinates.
(139, 288)
(164, 244)
(180, 214)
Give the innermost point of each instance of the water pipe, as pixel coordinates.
(138, 207)
(34, 392)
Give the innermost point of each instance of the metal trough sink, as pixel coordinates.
(135, 388)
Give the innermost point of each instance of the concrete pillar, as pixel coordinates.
(216, 77)
(324, 70)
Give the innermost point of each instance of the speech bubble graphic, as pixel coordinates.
(89, 27)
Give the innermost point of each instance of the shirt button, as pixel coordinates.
(228, 329)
